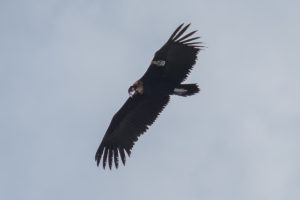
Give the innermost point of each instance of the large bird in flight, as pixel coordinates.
(149, 95)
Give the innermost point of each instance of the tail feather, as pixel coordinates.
(186, 90)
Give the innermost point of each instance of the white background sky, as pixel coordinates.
(65, 67)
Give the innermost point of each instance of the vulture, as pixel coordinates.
(149, 95)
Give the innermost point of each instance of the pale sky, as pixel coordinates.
(65, 67)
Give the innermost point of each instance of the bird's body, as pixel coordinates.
(157, 87)
(149, 95)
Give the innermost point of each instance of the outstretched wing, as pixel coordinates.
(132, 120)
(176, 58)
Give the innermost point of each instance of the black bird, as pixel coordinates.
(149, 95)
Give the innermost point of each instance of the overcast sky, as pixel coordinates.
(65, 67)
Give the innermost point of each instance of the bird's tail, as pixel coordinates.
(186, 89)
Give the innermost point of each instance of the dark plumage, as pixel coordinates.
(149, 95)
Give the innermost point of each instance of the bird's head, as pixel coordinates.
(137, 87)
(131, 90)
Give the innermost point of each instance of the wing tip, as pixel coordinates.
(110, 155)
(177, 37)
